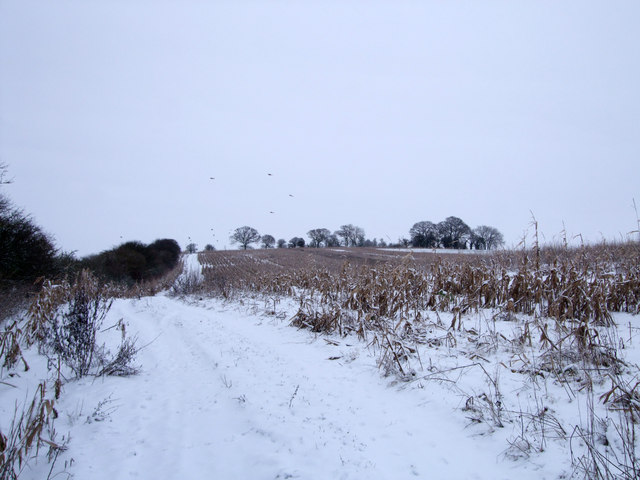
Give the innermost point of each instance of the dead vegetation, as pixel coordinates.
(31, 429)
(549, 310)
(63, 321)
(537, 318)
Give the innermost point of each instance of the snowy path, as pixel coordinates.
(231, 395)
(191, 272)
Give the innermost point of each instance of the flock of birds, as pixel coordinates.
(268, 174)
(271, 211)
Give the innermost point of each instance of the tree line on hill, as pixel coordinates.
(452, 233)
(27, 253)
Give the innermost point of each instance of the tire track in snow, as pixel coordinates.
(228, 394)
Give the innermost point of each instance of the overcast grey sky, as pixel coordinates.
(114, 114)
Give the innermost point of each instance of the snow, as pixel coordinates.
(230, 390)
(230, 394)
(192, 269)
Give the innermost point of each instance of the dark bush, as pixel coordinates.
(26, 252)
(134, 262)
(164, 255)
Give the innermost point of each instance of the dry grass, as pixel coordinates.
(582, 284)
(385, 297)
(31, 429)
(63, 320)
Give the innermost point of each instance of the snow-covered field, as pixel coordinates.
(443, 251)
(229, 390)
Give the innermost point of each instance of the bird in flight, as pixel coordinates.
(290, 195)
(212, 178)
(272, 212)
(269, 174)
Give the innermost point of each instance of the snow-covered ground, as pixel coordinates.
(192, 267)
(229, 394)
(229, 390)
(225, 393)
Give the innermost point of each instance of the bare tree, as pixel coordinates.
(282, 243)
(351, 235)
(454, 233)
(359, 237)
(318, 236)
(487, 238)
(296, 242)
(332, 241)
(268, 241)
(245, 236)
(344, 232)
(424, 234)
(191, 248)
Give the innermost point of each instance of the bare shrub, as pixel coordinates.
(75, 326)
(121, 364)
(66, 319)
